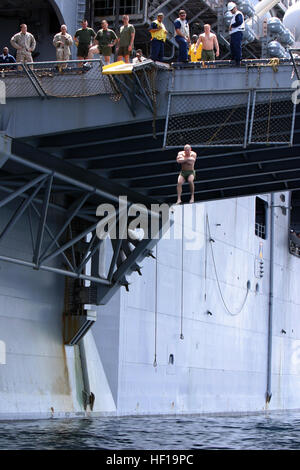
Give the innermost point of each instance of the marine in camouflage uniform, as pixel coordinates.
(62, 41)
(25, 44)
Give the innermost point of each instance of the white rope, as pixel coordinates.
(217, 277)
(155, 310)
(182, 279)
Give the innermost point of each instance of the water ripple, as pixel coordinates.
(268, 431)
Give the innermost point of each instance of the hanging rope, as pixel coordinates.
(182, 238)
(155, 313)
(205, 265)
(153, 77)
(222, 125)
(217, 277)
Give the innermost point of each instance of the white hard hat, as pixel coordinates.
(231, 6)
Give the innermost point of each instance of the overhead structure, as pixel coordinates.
(243, 125)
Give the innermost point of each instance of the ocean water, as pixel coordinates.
(267, 431)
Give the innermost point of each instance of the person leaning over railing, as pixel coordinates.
(25, 44)
(139, 58)
(83, 39)
(104, 41)
(158, 38)
(62, 41)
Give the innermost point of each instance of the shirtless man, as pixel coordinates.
(210, 43)
(186, 158)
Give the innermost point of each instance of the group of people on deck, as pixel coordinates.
(87, 41)
(204, 47)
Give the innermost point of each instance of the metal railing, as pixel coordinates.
(76, 78)
(230, 118)
(207, 118)
(60, 79)
(221, 63)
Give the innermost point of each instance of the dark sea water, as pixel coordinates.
(268, 431)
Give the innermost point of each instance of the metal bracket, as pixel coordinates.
(76, 326)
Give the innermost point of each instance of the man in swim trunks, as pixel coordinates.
(186, 158)
(210, 43)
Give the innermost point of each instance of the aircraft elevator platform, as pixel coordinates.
(242, 123)
(73, 139)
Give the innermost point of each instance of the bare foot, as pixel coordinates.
(178, 202)
(192, 200)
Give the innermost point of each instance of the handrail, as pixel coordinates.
(48, 62)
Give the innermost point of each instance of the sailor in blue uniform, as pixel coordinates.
(6, 58)
(182, 36)
(236, 28)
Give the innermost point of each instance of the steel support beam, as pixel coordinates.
(51, 269)
(44, 163)
(5, 150)
(43, 218)
(20, 191)
(86, 257)
(52, 237)
(74, 209)
(69, 244)
(20, 211)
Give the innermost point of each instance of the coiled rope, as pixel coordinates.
(217, 277)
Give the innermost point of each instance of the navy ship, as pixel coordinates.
(200, 314)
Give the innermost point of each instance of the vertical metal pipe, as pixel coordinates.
(271, 304)
(85, 376)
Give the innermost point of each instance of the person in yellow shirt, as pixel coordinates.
(158, 38)
(194, 53)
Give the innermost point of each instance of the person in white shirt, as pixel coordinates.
(182, 36)
(236, 28)
(139, 57)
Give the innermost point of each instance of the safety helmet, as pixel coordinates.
(231, 6)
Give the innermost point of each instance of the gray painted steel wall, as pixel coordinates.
(64, 114)
(221, 364)
(40, 374)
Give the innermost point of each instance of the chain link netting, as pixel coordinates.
(148, 81)
(16, 81)
(210, 119)
(272, 117)
(58, 79)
